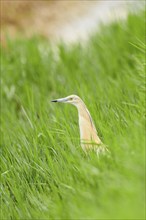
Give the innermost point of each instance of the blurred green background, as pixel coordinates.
(45, 174)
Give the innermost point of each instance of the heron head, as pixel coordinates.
(72, 99)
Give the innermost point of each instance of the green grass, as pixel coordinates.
(45, 174)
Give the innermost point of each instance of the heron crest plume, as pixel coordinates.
(88, 134)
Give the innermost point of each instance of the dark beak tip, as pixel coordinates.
(53, 100)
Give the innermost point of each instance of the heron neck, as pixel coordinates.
(87, 128)
(84, 113)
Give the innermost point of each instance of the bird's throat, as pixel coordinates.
(88, 131)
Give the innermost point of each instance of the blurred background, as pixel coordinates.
(60, 19)
(51, 49)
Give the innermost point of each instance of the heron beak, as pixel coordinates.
(60, 100)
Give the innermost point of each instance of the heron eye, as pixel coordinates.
(71, 99)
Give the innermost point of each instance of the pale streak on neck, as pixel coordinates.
(88, 131)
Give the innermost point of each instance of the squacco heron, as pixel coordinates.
(88, 134)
